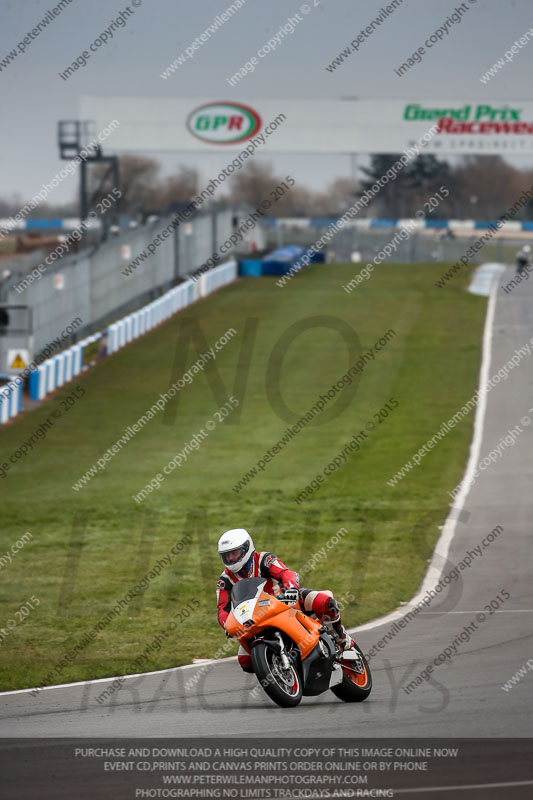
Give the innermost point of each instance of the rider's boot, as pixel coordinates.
(342, 637)
(337, 630)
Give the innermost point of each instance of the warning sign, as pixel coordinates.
(18, 359)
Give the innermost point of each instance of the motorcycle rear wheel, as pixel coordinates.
(284, 687)
(355, 686)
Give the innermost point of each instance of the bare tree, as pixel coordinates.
(138, 178)
(179, 188)
(253, 183)
(336, 200)
(485, 186)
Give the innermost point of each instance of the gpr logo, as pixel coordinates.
(224, 123)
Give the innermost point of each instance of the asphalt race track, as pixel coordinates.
(463, 698)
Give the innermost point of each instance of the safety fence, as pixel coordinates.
(412, 241)
(63, 367)
(10, 401)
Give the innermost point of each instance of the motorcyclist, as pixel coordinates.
(523, 258)
(241, 560)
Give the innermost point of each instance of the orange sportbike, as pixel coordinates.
(292, 653)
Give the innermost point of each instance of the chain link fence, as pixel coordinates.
(428, 246)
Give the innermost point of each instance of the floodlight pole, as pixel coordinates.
(71, 137)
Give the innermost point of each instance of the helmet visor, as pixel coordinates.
(231, 557)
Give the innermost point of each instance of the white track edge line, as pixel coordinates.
(442, 547)
(440, 552)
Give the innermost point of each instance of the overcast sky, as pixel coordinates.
(34, 97)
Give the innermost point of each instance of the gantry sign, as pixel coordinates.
(313, 126)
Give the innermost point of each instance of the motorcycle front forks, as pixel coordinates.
(283, 653)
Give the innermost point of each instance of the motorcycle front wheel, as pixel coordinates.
(283, 686)
(356, 680)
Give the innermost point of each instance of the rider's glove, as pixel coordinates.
(290, 597)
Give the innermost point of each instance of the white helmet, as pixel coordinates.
(236, 548)
(526, 249)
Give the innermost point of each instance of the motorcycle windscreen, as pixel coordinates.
(247, 589)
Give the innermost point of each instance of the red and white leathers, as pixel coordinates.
(279, 577)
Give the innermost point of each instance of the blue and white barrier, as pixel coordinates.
(125, 330)
(61, 226)
(370, 223)
(56, 371)
(63, 367)
(215, 278)
(10, 401)
(139, 322)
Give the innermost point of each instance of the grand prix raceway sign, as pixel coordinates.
(328, 126)
(469, 119)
